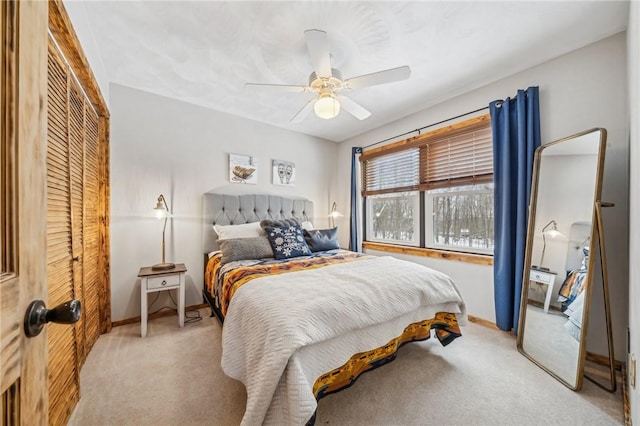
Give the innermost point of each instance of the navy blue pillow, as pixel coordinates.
(287, 241)
(322, 239)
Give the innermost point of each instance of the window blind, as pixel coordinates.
(462, 156)
(395, 172)
(463, 159)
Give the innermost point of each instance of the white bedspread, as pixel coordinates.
(282, 332)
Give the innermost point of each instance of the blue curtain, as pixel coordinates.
(515, 125)
(353, 226)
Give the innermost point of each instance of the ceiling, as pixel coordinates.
(204, 52)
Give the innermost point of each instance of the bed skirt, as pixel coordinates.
(446, 329)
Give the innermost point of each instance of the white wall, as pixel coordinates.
(633, 49)
(160, 145)
(581, 90)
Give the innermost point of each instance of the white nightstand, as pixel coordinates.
(544, 277)
(151, 281)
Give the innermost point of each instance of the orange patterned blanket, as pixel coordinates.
(231, 280)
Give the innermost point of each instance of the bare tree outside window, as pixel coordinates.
(463, 217)
(394, 217)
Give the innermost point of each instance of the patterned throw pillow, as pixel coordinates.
(287, 241)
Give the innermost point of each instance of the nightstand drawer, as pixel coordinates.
(541, 277)
(163, 281)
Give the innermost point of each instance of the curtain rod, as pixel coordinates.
(425, 127)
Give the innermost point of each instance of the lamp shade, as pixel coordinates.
(327, 106)
(160, 209)
(551, 230)
(554, 233)
(334, 211)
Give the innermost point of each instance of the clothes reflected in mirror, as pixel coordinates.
(571, 296)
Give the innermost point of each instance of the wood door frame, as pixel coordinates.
(66, 38)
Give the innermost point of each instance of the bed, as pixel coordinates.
(300, 326)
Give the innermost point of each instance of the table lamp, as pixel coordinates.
(334, 214)
(550, 229)
(162, 211)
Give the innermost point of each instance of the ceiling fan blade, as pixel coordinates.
(380, 77)
(276, 87)
(318, 47)
(304, 112)
(356, 110)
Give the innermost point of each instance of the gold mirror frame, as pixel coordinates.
(596, 245)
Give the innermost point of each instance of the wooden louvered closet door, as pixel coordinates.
(64, 378)
(73, 231)
(90, 231)
(76, 176)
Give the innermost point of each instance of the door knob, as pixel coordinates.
(38, 315)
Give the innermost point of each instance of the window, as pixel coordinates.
(394, 218)
(460, 218)
(444, 177)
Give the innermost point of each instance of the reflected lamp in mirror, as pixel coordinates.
(162, 212)
(550, 230)
(334, 214)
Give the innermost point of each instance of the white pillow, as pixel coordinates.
(307, 225)
(245, 230)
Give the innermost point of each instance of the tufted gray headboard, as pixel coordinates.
(225, 209)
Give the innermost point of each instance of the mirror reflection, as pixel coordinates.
(566, 184)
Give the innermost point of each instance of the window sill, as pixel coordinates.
(479, 259)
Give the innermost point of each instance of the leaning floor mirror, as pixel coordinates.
(562, 232)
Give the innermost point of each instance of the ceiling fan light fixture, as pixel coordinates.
(327, 106)
(328, 84)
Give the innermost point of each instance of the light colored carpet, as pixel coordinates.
(547, 340)
(173, 377)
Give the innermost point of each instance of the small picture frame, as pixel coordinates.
(283, 173)
(243, 169)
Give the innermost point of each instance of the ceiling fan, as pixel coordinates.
(327, 82)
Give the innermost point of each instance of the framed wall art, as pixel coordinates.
(243, 169)
(284, 173)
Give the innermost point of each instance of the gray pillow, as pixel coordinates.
(321, 239)
(280, 223)
(244, 249)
